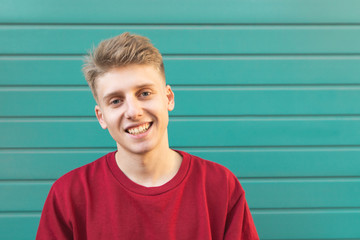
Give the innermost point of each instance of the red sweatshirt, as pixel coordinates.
(97, 201)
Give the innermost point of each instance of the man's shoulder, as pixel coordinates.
(82, 174)
(209, 165)
(215, 176)
(213, 171)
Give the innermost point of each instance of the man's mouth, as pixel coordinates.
(139, 129)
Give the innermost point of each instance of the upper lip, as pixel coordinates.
(135, 125)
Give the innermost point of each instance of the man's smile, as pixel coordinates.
(139, 128)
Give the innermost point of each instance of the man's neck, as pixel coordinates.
(151, 169)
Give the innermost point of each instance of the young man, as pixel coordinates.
(144, 190)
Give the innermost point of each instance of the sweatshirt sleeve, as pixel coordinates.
(53, 224)
(239, 222)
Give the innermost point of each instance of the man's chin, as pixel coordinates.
(138, 150)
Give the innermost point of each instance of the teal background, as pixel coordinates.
(268, 88)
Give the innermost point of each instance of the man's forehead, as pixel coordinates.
(137, 73)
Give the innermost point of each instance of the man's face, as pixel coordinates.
(133, 104)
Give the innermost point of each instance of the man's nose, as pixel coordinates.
(133, 108)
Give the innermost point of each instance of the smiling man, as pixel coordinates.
(145, 189)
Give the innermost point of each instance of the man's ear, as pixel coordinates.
(100, 117)
(171, 98)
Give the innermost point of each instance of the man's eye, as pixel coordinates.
(116, 101)
(145, 94)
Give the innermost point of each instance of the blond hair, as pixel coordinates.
(120, 51)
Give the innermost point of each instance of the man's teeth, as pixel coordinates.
(140, 129)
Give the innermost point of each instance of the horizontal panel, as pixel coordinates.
(196, 70)
(303, 193)
(45, 71)
(161, 11)
(48, 102)
(278, 225)
(17, 165)
(289, 162)
(194, 101)
(264, 70)
(257, 162)
(13, 195)
(11, 223)
(307, 225)
(187, 39)
(188, 132)
(333, 193)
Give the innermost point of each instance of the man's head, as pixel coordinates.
(120, 51)
(126, 75)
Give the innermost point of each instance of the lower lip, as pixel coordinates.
(141, 135)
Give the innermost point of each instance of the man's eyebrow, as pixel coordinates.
(110, 95)
(145, 85)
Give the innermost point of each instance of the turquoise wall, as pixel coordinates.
(268, 88)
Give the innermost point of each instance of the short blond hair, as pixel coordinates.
(120, 51)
